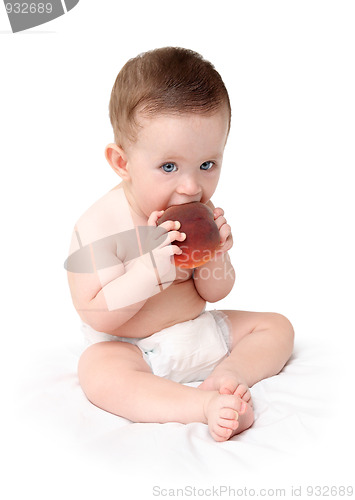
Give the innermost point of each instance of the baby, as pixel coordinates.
(144, 318)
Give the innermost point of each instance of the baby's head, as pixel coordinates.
(170, 81)
(171, 115)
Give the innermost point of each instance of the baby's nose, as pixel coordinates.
(189, 185)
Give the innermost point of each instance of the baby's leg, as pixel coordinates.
(115, 377)
(261, 345)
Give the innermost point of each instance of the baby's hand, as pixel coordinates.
(167, 232)
(225, 231)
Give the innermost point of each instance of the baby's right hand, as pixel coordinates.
(164, 249)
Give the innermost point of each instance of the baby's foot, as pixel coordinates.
(227, 382)
(227, 415)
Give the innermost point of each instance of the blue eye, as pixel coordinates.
(207, 165)
(168, 167)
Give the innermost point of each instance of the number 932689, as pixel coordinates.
(29, 8)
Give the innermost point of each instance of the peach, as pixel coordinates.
(202, 234)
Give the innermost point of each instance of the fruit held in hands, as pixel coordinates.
(202, 234)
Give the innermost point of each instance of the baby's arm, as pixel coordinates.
(215, 279)
(107, 298)
(107, 307)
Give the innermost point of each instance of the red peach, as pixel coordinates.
(202, 234)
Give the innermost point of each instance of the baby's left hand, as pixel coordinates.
(225, 232)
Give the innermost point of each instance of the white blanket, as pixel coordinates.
(64, 438)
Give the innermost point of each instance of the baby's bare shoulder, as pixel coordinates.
(107, 216)
(97, 246)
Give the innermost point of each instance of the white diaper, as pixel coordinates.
(185, 352)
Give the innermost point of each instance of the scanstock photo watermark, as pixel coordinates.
(26, 15)
(220, 491)
(134, 243)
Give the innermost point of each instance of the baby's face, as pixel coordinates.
(175, 160)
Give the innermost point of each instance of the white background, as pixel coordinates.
(287, 185)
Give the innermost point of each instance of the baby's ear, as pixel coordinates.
(117, 160)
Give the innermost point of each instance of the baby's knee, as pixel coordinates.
(90, 366)
(108, 361)
(94, 366)
(282, 320)
(284, 326)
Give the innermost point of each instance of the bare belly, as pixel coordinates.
(177, 303)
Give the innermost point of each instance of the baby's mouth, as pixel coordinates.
(183, 203)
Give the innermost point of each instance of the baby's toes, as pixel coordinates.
(244, 393)
(227, 385)
(229, 423)
(225, 414)
(229, 413)
(220, 433)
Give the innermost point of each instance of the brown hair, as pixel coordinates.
(168, 80)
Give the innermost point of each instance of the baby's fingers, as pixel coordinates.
(154, 216)
(171, 236)
(170, 225)
(175, 250)
(224, 232)
(220, 221)
(217, 212)
(167, 251)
